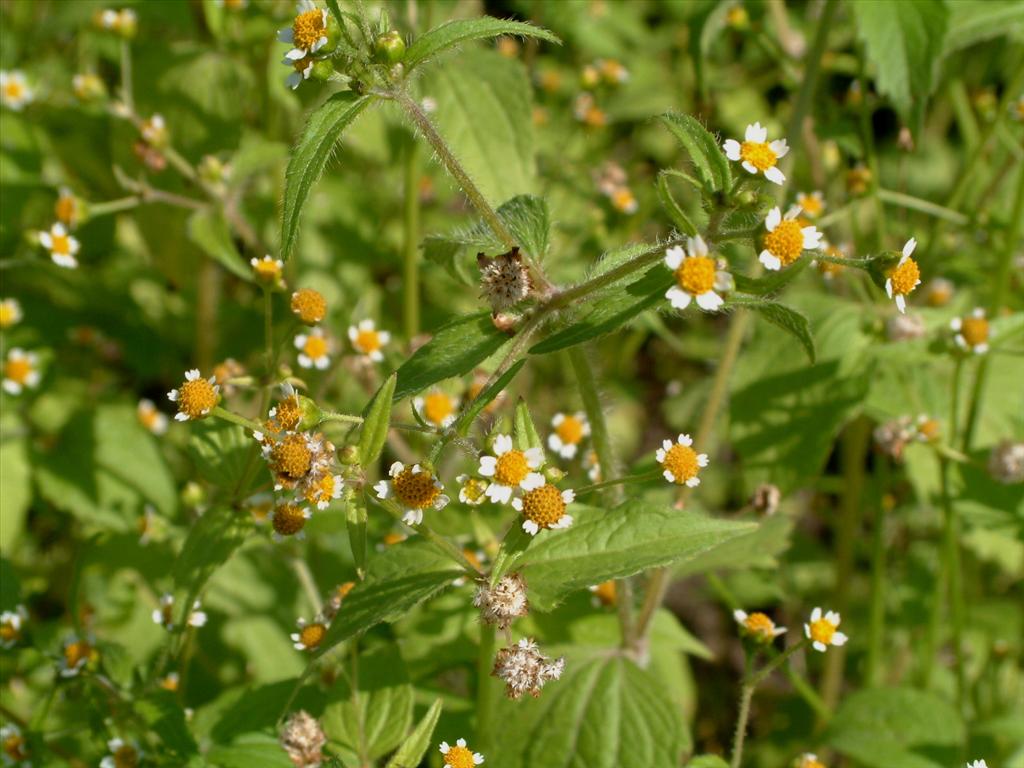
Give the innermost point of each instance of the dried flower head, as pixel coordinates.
(504, 279)
(303, 739)
(504, 602)
(892, 436)
(1006, 462)
(524, 669)
(905, 327)
(766, 499)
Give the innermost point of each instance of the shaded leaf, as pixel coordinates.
(374, 432)
(413, 749)
(709, 162)
(781, 316)
(213, 538)
(454, 33)
(208, 230)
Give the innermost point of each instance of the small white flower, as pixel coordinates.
(150, 418)
(12, 623)
(367, 340)
(268, 269)
(904, 278)
(61, 245)
(812, 203)
(473, 490)
(786, 239)
(971, 331)
(15, 92)
(314, 349)
(510, 468)
(570, 430)
(697, 276)
(308, 33)
(414, 489)
(309, 636)
(122, 753)
(437, 408)
(12, 744)
(196, 397)
(758, 626)
(164, 614)
(680, 463)
(21, 371)
(544, 507)
(301, 70)
(822, 630)
(459, 756)
(756, 154)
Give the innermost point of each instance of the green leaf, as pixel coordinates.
(880, 727)
(374, 432)
(904, 42)
(213, 538)
(220, 451)
(455, 350)
(454, 33)
(372, 720)
(17, 493)
(486, 397)
(165, 717)
(708, 160)
(401, 577)
(781, 316)
(524, 433)
(614, 308)
(672, 208)
(611, 544)
(208, 230)
(525, 216)
(707, 761)
(484, 111)
(604, 712)
(335, 9)
(975, 21)
(773, 282)
(413, 749)
(251, 750)
(313, 150)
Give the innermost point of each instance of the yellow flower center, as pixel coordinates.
(544, 505)
(809, 762)
(148, 417)
(8, 315)
(291, 457)
(76, 653)
(17, 369)
(623, 199)
(126, 757)
(786, 241)
(288, 414)
(13, 90)
(169, 683)
(196, 398)
(309, 305)
(822, 631)
(315, 346)
(474, 489)
(8, 632)
(289, 519)
(929, 429)
(267, 270)
(570, 430)
(811, 205)
(14, 747)
(681, 461)
(511, 468)
(60, 244)
(392, 538)
(308, 28)
(312, 635)
(605, 592)
(437, 407)
(344, 589)
(974, 330)
(758, 154)
(416, 490)
(595, 117)
(759, 624)
(65, 209)
(696, 275)
(905, 277)
(368, 341)
(459, 757)
(321, 490)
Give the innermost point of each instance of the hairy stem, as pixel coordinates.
(952, 568)
(410, 240)
(485, 686)
(877, 605)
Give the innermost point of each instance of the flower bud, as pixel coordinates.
(323, 70)
(311, 415)
(349, 455)
(193, 495)
(389, 47)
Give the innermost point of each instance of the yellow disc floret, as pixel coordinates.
(544, 506)
(77, 652)
(570, 430)
(759, 624)
(291, 457)
(287, 414)
(786, 241)
(973, 329)
(696, 275)
(416, 490)
(17, 369)
(681, 461)
(437, 407)
(905, 277)
(758, 154)
(309, 305)
(196, 398)
(322, 490)
(822, 631)
(289, 519)
(308, 28)
(368, 341)
(315, 346)
(312, 635)
(459, 757)
(511, 468)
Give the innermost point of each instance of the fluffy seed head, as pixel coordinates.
(504, 280)
(503, 603)
(303, 739)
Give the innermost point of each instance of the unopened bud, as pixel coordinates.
(349, 455)
(389, 47)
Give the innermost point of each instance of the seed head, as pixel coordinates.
(1006, 462)
(504, 602)
(303, 739)
(504, 280)
(524, 669)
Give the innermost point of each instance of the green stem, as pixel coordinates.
(268, 332)
(410, 241)
(234, 418)
(746, 695)
(113, 206)
(922, 206)
(126, 75)
(485, 683)
(952, 567)
(627, 480)
(877, 605)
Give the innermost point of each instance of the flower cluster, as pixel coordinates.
(312, 35)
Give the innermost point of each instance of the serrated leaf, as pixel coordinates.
(374, 432)
(708, 160)
(781, 316)
(604, 712)
(904, 42)
(455, 350)
(399, 578)
(454, 33)
(486, 397)
(672, 208)
(413, 749)
(312, 151)
(524, 433)
(211, 540)
(611, 544)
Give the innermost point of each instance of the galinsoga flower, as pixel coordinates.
(938, 292)
(544, 507)
(570, 430)
(75, 655)
(154, 131)
(823, 630)
(309, 306)
(524, 669)
(10, 313)
(604, 593)
(971, 331)
(301, 70)
(150, 418)
(697, 276)
(164, 614)
(624, 201)
(786, 239)
(309, 636)
(21, 370)
(811, 203)
(308, 32)
(511, 468)
(323, 491)
(314, 349)
(904, 278)
(808, 760)
(612, 71)
(268, 269)
(123, 754)
(88, 86)
(196, 397)
(303, 739)
(68, 208)
(504, 602)
(473, 490)
(414, 489)
(14, 90)
(437, 408)
(12, 624)
(170, 681)
(460, 756)
(13, 747)
(123, 22)
(288, 519)
(61, 245)
(679, 462)
(757, 626)
(927, 428)
(367, 340)
(756, 154)
(905, 327)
